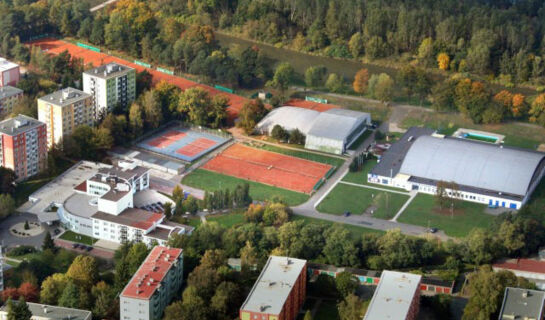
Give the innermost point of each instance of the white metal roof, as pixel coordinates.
(337, 124)
(7, 65)
(274, 285)
(289, 118)
(469, 163)
(393, 296)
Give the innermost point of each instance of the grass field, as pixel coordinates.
(305, 155)
(360, 177)
(211, 181)
(227, 220)
(357, 199)
(79, 238)
(356, 231)
(470, 215)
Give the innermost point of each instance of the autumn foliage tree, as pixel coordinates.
(443, 61)
(537, 110)
(361, 81)
(29, 292)
(518, 105)
(472, 98)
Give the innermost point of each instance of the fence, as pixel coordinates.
(318, 100)
(165, 71)
(143, 64)
(88, 47)
(224, 89)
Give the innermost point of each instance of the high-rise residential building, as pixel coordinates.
(153, 286)
(110, 85)
(23, 146)
(63, 111)
(279, 292)
(9, 96)
(397, 297)
(9, 73)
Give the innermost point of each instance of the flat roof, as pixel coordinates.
(393, 296)
(131, 217)
(44, 311)
(274, 285)
(110, 70)
(9, 91)
(522, 304)
(80, 204)
(7, 65)
(19, 124)
(152, 271)
(65, 97)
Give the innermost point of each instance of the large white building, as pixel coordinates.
(483, 172)
(97, 200)
(110, 85)
(153, 286)
(47, 312)
(332, 131)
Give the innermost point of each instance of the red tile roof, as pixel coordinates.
(527, 265)
(152, 271)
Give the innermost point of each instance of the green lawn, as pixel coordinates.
(194, 222)
(336, 162)
(211, 181)
(227, 220)
(469, 215)
(79, 238)
(360, 140)
(357, 199)
(327, 311)
(356, 231)
(360, 177)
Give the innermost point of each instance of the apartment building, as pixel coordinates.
(23, 146)
(63, 111)
(153, 286)
(279, 292)
(9, 96)
(9, 73)
(110, 85)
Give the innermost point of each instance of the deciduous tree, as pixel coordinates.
(361, 81)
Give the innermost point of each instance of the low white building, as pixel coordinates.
(97, 200)
(47, 312)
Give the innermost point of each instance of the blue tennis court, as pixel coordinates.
(182, 143)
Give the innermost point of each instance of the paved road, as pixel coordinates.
(9, 240)
(102, 5)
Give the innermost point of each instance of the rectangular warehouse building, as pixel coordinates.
(481, 172)
(279, 292)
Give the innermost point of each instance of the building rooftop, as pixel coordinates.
(526, 265)
(19, 124)
(274, 285)
(148, 278)
(131, 217)
(43, 311)
(109, 70)
(7, 65)
(65, 97)
(9, 91)
(81, 205)
(522, 304)
(393, 296)
(337, 123)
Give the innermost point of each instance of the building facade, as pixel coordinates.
(153, 286)
(9, 73)
(63, 111)
(110, 85)
(9, 96)
(397, 297)
(23, 146)
(279, 292)
(1, 269)
(47, 312)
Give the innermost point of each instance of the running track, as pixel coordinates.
(56, 46)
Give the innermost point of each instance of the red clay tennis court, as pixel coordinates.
(196, 147)
(269, 168)
(56, 46)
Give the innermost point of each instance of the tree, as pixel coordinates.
(200, 109)
(425, 51)
(283, 76)
(384, 87)
(52, 288)
(276, 214)
(153, 115)
(7, 180)
(479, 247)
(334, 83)
(191, 205)
(167, 206)
(339, 248)
(472, 98)
(443, 61)
(314, 76)
(48, 243)
(177, 193)
(537, 110)
(136, 124)
(70, 296)
(297, 137)
(103, 296)
(7, 205)
(351, 308)
(226, 298)
(361, 81)
(308, 315)
(279, 133)
(248, 256)
(441, 194)
(29, 292)
(356, 45)
(18, 311)
(83, 271)
(346, 283)
(250, 115)
(518, 105)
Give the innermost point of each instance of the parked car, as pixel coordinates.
(347, 213)
(433, 230)
(75, 245)
(89, 248)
